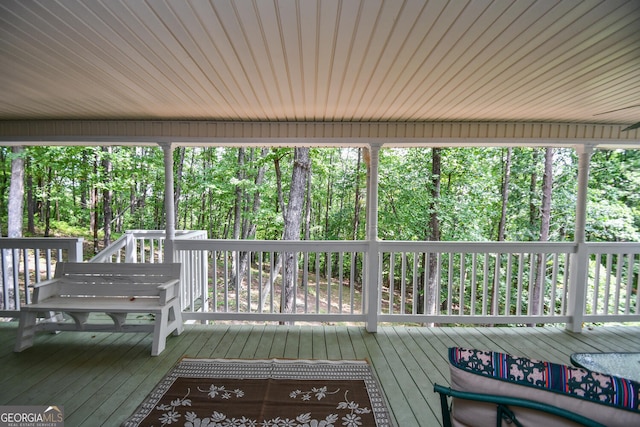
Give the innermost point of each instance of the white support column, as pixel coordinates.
(579, 269)
(372, 283)
(170, 215)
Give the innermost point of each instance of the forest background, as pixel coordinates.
(450, 194)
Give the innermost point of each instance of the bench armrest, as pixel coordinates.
(45, 289)
(169, 290)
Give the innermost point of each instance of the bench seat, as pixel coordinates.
(118, 290)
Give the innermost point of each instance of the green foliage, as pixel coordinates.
(213, 180)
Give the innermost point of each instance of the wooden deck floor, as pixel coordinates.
(101, 378)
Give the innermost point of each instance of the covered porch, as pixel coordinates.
(101, 378)
(375, 75)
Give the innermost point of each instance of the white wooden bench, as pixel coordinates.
(79, 289)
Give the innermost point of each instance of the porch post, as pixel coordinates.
(372, 284)
(170, 215)
(579, 269)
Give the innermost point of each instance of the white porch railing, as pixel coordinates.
(475, 282)
(142, 246)
(328, 276)
(612, 288)
(392, 281)
(27, 261)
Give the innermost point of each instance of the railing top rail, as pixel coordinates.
(613, 247)
(478, 247)
(161, 233)
(191, 234)
(112, 249)
(39, 242)
(273, 245)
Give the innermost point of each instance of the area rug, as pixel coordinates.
(265, 393)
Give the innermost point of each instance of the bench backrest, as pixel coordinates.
(114, 279)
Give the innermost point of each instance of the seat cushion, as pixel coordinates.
(604, 398)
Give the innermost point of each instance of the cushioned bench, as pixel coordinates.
(79, 289)
(533, 392)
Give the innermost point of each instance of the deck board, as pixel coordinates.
(100, 378)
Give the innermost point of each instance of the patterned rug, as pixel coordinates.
(265, 393)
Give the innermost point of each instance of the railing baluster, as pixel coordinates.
(619, 263)
(392, 291)
(414, 287)
(425, 300)
(352, 282)
(27, 277)
(532, 278)
(450, 283)
(225, 280)
(328, 265)
(596, 284)
(305, 280)
(462, 277)
(628, 286)
(495, 297)
(474, 283)
(554, 278)
(520, 284)
(637, 293)
(340, 279)
(485, 283)
(607, 286)
(403, 281)
(508, 275)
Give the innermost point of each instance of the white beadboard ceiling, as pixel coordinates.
(575, 61)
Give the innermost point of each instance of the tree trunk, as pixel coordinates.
(237, 217)
(14, 223)
(433, 297)
(545, 221)
(107, 209)
(47, 203)
(307, 209)
(357, 202)
(506, 176)
(177, 183)
(280, 205)
(249, 229)
(31, 203)
(293, 219)
(533, 208)
(94, 205)
(16, 194)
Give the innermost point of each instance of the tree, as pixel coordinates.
(16, 193)
(15, 214)
(433, 299)
(292, 222)
(545, 221)
(506, 176)
(107, 207)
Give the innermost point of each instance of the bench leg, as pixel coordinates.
(160, 332)
(119, 320)
(26, 330)
(168, 321)
(175, 319)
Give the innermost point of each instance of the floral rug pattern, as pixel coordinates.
(265, 393)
